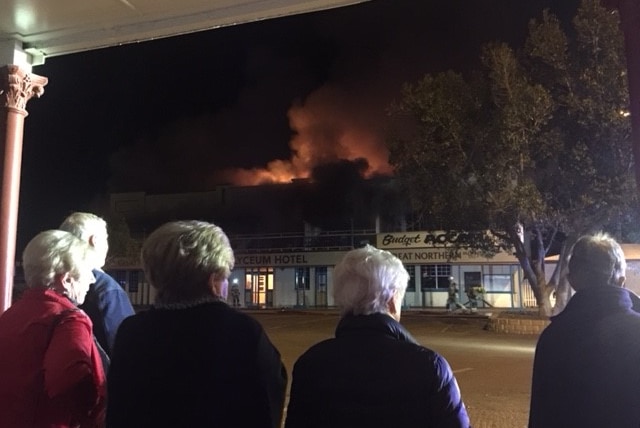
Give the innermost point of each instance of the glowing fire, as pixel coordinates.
(325, 130)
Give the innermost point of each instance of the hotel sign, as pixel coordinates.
(288, 259)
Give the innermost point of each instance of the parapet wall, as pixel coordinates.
(517, 326)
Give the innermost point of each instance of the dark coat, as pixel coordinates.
(205, 365)
(587, 365)
(107, 304)
(373, 374)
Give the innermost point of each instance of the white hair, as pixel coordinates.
(54, 252)
(84, 225)
(366, 279)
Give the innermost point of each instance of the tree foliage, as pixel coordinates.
(535, 142)
(123, 249)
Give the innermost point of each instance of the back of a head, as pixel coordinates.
(366, 278)
(83, 225)
(179, 257)
(51, 253)
(596, 260)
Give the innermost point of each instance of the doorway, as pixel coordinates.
(259, 288)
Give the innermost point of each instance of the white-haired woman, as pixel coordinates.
(373, 373)
(50, 367)
(193, 361)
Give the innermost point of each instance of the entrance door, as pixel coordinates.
(321, 287)
(259, 287)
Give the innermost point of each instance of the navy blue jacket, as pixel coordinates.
(373, 374)
(587, 365)
(107, 304)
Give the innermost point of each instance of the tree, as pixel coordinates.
(123, 249)
(630, 16)
(534, 143)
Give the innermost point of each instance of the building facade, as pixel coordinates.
(298, 278)
(288, 269)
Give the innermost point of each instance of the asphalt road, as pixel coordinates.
(493, 370)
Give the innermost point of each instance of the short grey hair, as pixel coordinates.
(598, 260)
(54, 252)
(366, 279)
(179, 257)
(84, 225)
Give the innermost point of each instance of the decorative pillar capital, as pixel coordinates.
(17, 86)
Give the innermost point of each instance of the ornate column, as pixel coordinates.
(17, 86)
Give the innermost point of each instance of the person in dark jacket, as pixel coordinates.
(107, 303)
(586, 369)
(373, 373)
(191, 360)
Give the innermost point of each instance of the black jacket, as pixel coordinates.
(373, 374)
(207, 365)
(586, 370)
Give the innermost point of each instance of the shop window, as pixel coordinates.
(497, 283)
(435, 277)
(411, 285)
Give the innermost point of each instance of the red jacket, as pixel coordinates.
(50, 369)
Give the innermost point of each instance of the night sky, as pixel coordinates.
(266, 100)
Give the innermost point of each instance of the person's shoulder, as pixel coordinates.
(414, 354)
(105, 282)
(73, 315)
(237, 317)
(630, 318)
(424, 353)
(316, 351)
(235, 322)
(139, 323)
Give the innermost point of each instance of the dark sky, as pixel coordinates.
(268, 99)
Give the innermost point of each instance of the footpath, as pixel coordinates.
(499, 320)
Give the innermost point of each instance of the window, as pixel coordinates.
(321, 278)
(129, 280)
(435, 277)
(411, 285)
(120, 276)
(134, 280)
(302, 278)
(497, 283)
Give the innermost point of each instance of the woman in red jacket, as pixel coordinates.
(50, 367)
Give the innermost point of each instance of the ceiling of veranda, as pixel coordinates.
(57, 27)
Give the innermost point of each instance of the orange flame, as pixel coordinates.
(326, 130)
